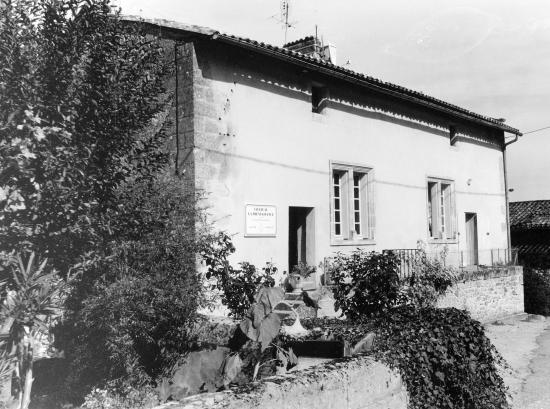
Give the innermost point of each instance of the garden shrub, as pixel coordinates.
(444, 358)
(130, 317)
(429, 279)
(237, 287)
(366, 283)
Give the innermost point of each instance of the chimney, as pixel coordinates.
(314, 47)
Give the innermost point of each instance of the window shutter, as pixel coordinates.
(434, 194)
(448, 210)
(370, 204)
(364, 197)
(345, 205)
(453, 216)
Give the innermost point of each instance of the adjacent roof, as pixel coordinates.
(535, 249)
(534, 214)
(179, 31)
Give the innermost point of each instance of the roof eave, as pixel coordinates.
(333, 71)
(185, 32)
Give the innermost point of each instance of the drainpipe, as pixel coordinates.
(516, 136)
(177, 109)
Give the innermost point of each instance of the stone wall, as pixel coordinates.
(358, 382)
(488, 294)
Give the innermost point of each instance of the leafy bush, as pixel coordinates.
(213, 368)
(366, 283)
(237, 287)
(130, 317)
(444, 358)
(536, 287)
(429, 279)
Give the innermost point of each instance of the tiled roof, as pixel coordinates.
(533, 214)
(177, 30)
(300, 40)
(524, 249)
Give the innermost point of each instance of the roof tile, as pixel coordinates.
(389, 86)
(532, 214)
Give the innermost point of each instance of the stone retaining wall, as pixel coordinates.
(358, 382)
(488, 294)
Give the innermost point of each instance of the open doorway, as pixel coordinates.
(301, 236)
(471, 239)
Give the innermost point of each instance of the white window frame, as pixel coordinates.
(441, 213)
(354, 204)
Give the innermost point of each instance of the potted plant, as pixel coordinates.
(299, 272)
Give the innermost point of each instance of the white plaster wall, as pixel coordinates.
(277, 152)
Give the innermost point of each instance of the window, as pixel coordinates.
(441, 213)
(352, 203)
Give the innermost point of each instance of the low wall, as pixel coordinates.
(358, 382)
(488, 294)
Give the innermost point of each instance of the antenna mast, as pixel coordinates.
(284, 17)
(285, 11)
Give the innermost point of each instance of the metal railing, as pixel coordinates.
(463, 260)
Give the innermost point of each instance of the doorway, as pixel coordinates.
(301, 236)
(471, 239)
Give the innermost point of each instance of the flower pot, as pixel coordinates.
(295, 283)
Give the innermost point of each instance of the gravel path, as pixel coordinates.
(524, 342)
(535, 393)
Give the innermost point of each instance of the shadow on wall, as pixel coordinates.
(283, 79)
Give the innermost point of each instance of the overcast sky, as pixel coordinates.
(489, 56)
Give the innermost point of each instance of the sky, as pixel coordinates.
(488, 56)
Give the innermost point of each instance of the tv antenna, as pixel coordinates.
(284, 16)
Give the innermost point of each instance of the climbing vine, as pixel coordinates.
(444, 358)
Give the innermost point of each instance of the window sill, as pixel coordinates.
(352, 242)
(442, 241)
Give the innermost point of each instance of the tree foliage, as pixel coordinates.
(77, 90)
(131, 316)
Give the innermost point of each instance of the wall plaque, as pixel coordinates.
(260, 221)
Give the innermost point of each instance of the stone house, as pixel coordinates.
(302, 158)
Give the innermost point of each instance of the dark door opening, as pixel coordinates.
(471, 239)
(301, 232)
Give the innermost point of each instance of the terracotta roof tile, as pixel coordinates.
(533, 249)
(534, 214)
(159, 25)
